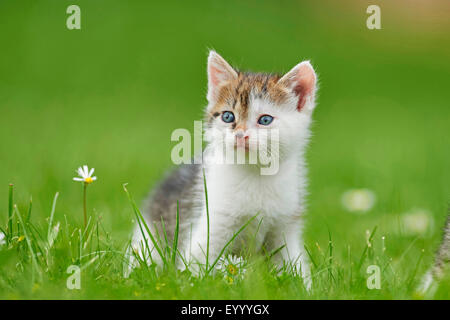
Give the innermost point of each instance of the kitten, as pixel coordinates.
(243, 105)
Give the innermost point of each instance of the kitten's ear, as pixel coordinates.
(219, 72)
(302, 81)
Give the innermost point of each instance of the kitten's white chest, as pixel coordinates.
(240, 193)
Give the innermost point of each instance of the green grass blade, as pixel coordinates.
(166, 241)
(139, 216)
(30, 207)
(175, 237)
(310, 256)
(363, 256)
(146, 246)
(207, 221)
(52, 214)
(413, 275)
(80, 251)
(10, 212)
(156, 234)
(274, 252)
(35, 265)
(330, 256)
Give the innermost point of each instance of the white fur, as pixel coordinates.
(238, 192)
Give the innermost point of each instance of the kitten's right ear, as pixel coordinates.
(219, 73)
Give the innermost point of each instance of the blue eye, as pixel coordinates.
(228, 117)
(265, 120)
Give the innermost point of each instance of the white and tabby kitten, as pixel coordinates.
(243, 104)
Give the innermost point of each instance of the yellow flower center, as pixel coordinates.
(232, 269)
(88, 180)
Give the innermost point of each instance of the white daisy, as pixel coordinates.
(85, 175)
(232, 267)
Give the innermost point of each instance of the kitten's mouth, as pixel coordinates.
(242, 144)
(244, 147)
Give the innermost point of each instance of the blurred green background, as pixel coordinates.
(109, 96)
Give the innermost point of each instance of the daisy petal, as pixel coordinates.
(86, 171)
(78, 179)
(94, 178)
(91, 172)
(80, 171)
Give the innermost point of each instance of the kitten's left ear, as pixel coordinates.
(302, 80)
(219, 72)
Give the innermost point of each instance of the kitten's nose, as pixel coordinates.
(242, 139)
(241, 135)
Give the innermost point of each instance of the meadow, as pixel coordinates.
(110, 95)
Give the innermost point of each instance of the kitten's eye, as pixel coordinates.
(228, 117)
(265, 120)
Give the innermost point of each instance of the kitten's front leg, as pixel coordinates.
(220, 232)
(293, 254)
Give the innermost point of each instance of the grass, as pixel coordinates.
(43, 260)
(109, 95)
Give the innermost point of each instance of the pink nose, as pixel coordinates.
(242, 140)
(240, 135)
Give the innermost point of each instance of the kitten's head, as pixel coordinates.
(248, 106)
